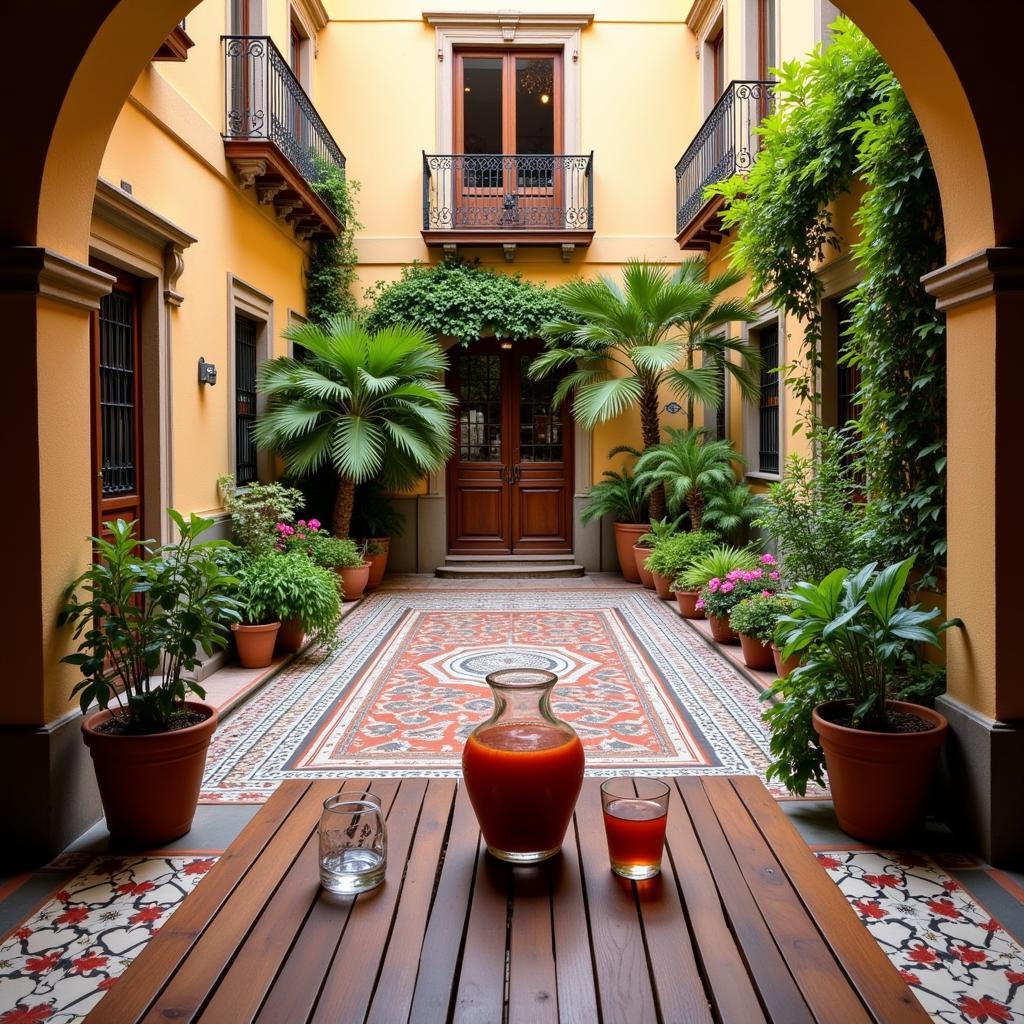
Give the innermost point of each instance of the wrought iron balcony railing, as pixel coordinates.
(725, 145)
(265, 102)
(508, 192)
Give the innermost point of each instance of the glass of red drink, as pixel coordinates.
(635, 813)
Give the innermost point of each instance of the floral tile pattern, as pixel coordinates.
(962, 965)
(57, 965)
(645, 694)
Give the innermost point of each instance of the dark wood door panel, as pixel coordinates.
(539, 520)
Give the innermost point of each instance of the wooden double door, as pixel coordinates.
(510, 479)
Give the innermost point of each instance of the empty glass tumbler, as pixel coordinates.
(353, 843)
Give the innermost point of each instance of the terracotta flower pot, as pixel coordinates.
(149, 785)
(255, 643)
(290, 637)
(663, 586)
(641, 555)
(721, 631)
(756, 654)
(879, 780)
(353, 581)
(783, 668)
(626, 535)
(378, 566)
(687, 601)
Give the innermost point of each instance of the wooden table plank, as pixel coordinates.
(870, 972)
(532, 985)
(574, 965)
(357, 959)
(443, 940)
(297, 985)
(392, 999)
(624, 983)
(779, 993)
(137, 989)
(809, 959)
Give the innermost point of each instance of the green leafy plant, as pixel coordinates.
(333, 261)
(758, 616)
(368, 404)
(688, 467)
(319, 546)
(730, 510)
(719, 561)
(460, 299)
(256, 510)
(674, 555)
(813, 514)
(661, 529)
(142, 615)
(281, 587)
(618, 495)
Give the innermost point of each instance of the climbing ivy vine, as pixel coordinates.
(332, 264)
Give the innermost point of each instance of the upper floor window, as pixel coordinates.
(716, 46)
(246, 358)
(246, 17)
(767, 34)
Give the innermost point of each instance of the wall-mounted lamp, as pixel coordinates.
(506, 345)
(207, 372)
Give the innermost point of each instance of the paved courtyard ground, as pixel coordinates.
(646, 691)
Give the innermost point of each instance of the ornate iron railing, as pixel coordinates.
(266, 102)
(508, 191)
(725, 145)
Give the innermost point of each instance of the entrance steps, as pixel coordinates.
(508, 567)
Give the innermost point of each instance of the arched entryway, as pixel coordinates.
(68, 100)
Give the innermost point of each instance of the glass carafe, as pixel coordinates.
(523, 768)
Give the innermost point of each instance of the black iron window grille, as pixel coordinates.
(726, 144)
(508, 191)
(721, 427)
(847, 376)
(266, 102)
(246, 337)
(768, 407)
(117, 386)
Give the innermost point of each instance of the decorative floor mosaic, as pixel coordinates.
(961, 964)
(644, 693)
(57, 965)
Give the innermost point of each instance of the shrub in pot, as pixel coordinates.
(716, 563)
(755, 619)
(142, 615)
(673, 555)
(719, 597)
(375, 519)
(375, 553)
(256, 511)
(858, 638)
(339, 554)
(622, 498)
(661, 529)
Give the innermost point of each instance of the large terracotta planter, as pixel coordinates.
(378, 563)
(290, 637)
(255, 643)
(149, 785)
(353, 581)
(687, 601)
(662, 586)
(879, 780)
(783, 668)
(641, 555)
(626, 535)
(756, 654)
(721, 631)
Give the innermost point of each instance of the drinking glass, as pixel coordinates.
(635, 813)
(353, 843)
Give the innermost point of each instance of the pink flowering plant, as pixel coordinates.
(721, 594)
(321, 547)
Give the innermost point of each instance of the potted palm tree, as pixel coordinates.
(370, 405)
(142, 615)
(619, 496)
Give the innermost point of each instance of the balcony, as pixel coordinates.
(176, 46)
(726, 144)
(508, 199)
(274, 138)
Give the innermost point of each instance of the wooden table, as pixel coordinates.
(742, 925)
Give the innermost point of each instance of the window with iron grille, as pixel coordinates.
(768, 407)
(847, 377)
(246, 336)
(721, 427)
(117, 393)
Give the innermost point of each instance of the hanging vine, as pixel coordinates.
(332, 263)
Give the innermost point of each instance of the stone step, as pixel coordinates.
(513, 571)
(507, 559)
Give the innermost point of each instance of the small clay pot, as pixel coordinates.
(354, 580)
(641, 555)
(626, 535)
(149, 785)
(721, 631)
(783, 668)
(756, 654)
(291, 637)
(663, 586)
(879, 780)
(255, 643)
(687, 601)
